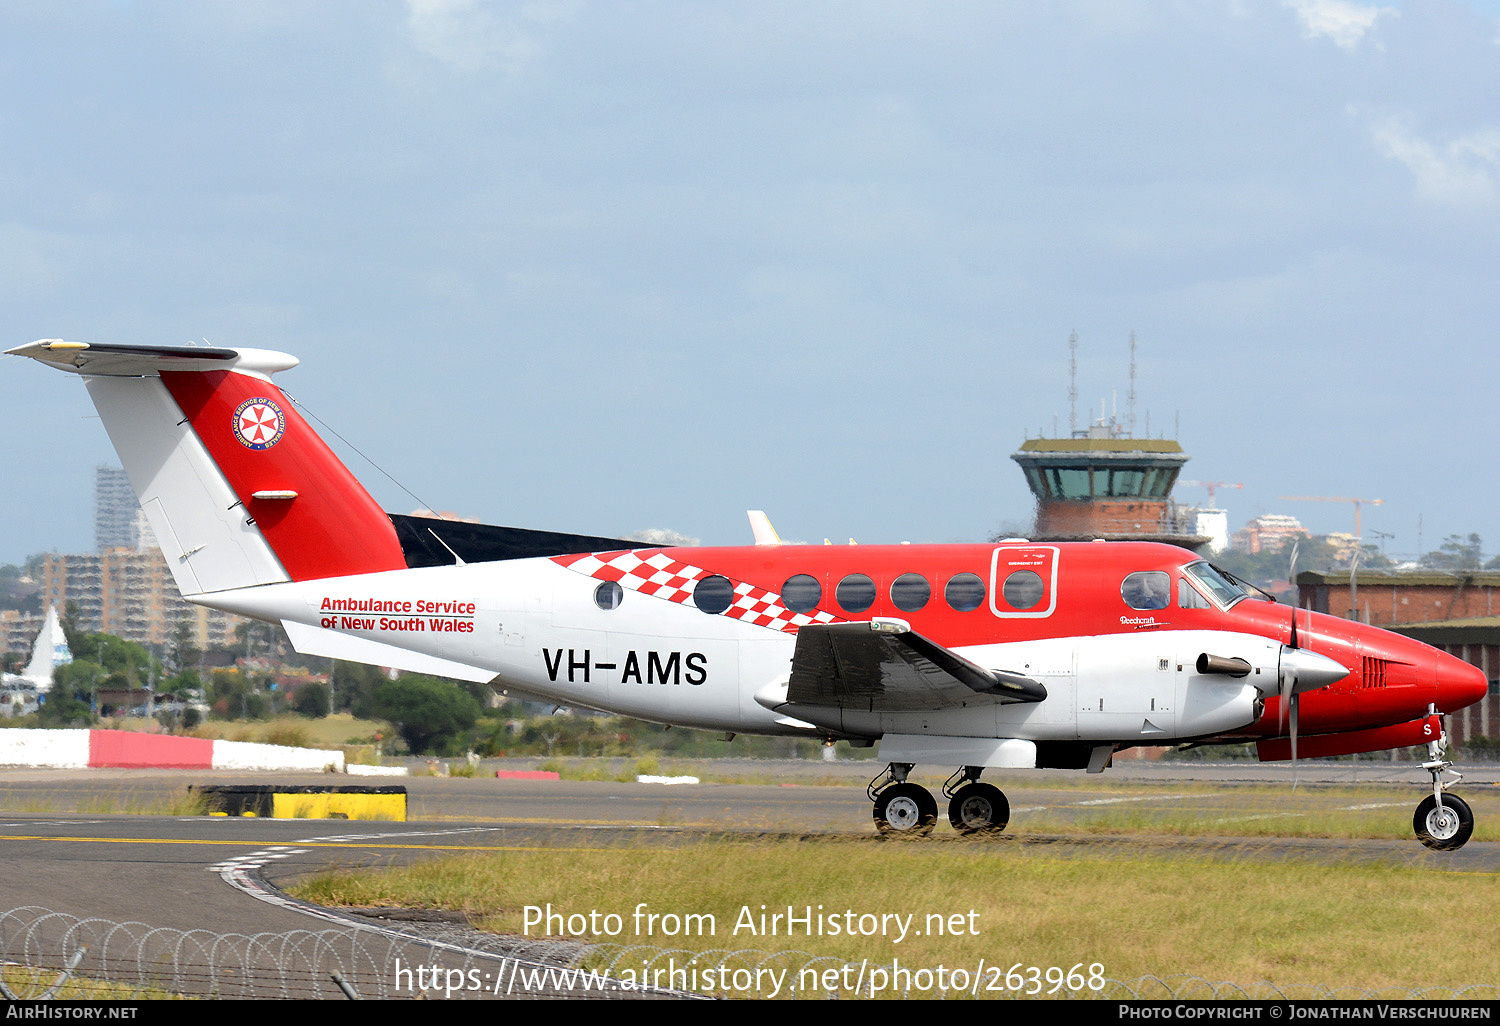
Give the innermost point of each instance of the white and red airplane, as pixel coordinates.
(1006, 655)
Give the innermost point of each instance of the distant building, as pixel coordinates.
(1213, 524)
(118, 520)
(1268, 532)
(1392, 597)
(132, 595)
(18, 630)
(1343, 544)
(1101, 483)
(1457, 611)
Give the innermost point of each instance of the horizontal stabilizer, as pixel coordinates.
(115, 360)
(320, 641)
(856, 666)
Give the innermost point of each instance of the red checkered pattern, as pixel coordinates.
(655, 573)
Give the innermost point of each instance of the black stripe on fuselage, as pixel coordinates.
(422, 540)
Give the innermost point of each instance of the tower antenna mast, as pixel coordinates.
(1072, 384)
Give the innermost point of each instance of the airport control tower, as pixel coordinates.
(1103, 484)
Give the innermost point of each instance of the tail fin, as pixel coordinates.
(238, 489)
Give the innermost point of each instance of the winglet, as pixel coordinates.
(760, 526)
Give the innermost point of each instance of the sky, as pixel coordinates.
(605, 267)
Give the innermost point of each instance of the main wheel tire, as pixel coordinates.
(1446, 828)
(905, 810)
(979, 808)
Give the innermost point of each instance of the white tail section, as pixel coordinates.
(196, 517)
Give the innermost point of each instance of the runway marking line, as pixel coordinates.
(244, 842)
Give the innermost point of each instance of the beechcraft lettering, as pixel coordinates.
(673, 668)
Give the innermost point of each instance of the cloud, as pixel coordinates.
(472, 37)
(1343, 21)
(662, 536)
(1460, 172)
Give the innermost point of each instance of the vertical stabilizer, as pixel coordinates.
(238, 488)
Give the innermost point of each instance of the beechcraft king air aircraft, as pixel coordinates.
(1004, 655)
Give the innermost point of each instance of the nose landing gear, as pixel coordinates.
(1442, 821)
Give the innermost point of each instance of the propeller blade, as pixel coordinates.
(1296, 701)
(1303, 670)
(1284, 692)
(1291, 578)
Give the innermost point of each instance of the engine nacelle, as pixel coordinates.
(1213, 705)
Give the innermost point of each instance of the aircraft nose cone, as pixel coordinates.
(1459, 684)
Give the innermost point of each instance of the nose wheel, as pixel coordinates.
(1442, 821)
(1443, 827)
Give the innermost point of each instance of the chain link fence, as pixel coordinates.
(48, 955)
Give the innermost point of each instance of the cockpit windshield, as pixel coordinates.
(1224, 591)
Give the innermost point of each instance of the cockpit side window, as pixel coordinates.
(1188, 597)
(1147, 589)
(1224, 591)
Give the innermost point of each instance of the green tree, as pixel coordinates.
(311, 700)
(353, 686)
(427, 713)
(1457, 553)
(64, 709)
(185, 652)
(233, 695)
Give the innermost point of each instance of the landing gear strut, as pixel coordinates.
(975, 808)
(1443, 821)
(902, 809)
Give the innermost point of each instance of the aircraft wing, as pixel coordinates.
(876, 668)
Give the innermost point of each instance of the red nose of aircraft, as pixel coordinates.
(1459, 684)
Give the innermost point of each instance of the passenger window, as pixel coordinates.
(1147, 589)
(855, 593)
(965, 592)
(910, 592)
(1188, 597)
(609, 595)
(1023, 589)
(713, 594)
(801, 593)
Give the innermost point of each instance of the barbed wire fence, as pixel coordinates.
(47, 955)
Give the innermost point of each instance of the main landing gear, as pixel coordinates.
(904, 809)
(1443, 821)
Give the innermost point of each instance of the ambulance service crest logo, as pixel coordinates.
(259, 423)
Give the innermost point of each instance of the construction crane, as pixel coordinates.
(1212, 486)
(1358, 504)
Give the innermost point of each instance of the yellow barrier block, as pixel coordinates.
(339, 805)
(305, 801)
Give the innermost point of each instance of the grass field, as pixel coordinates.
(1244, 920)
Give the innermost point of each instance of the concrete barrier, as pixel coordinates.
(123, 749)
